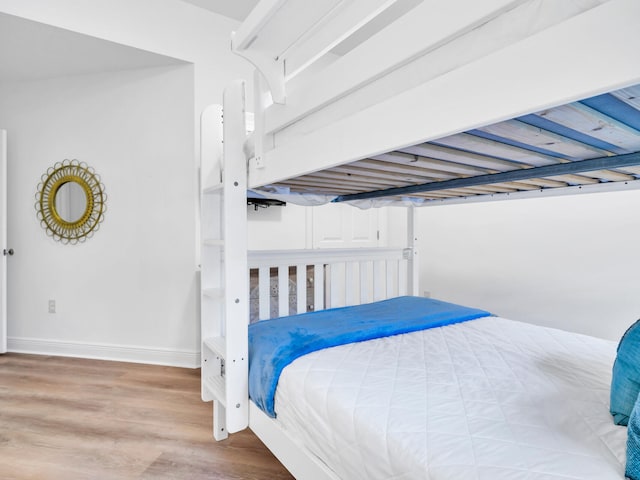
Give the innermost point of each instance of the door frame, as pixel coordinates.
(3, 241)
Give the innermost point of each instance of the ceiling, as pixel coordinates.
(31, 51)
(236, 9)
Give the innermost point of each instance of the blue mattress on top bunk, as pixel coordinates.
(274, 344)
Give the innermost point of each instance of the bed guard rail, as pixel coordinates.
(324, 278)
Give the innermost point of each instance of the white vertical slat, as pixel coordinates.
(359, 278)
(402, 277)
(392, 278)
(379, 278)
(337, 277)
(352, 284)
(235, 259)
(366, 285)
(283, 290)
(318, 287)
(264, 293)
(301, 288)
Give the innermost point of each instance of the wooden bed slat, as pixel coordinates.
(584, 119)
(379, 163)
(311, 187)
(537, 137)
(629, 95)
(483, 162)
(544, 182)
(611, 175)
(618, 161)
(575, 179)
(485, 146)
(415, 160)
(315, 182)
(631, 170)
(314, 190)
(357, 169)
(518, 185)
(344, 178)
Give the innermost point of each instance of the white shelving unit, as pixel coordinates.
(224, 286)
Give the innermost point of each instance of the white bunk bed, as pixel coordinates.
(411, 102)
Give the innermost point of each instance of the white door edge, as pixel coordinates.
(3, 241)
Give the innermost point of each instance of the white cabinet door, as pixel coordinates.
(344, 226)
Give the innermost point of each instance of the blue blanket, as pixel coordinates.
(274, 344)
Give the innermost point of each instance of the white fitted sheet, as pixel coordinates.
(489, 399)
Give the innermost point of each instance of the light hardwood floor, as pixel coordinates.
(66, 419)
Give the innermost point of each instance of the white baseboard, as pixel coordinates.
(101, 351)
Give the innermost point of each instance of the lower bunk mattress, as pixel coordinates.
(486, 399)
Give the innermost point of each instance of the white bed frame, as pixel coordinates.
(398, 87)
(341, 277)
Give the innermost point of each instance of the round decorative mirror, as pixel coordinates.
(70, 201)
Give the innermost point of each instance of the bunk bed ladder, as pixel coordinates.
(224, 287)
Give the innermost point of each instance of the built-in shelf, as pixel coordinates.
(216, 345)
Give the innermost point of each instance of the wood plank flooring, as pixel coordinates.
(66, 419)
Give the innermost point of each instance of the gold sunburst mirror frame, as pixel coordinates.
(70, 228)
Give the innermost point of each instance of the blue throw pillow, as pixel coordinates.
(625, 384)
(633, 443)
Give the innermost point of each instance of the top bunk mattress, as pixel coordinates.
(484, 399)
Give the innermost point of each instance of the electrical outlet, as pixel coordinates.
(426, 294)
(52, 306)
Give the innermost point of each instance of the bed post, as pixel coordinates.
(413, 270)
(261, 141)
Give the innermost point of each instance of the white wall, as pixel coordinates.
(133, 285)
(279, 228)
(569, 262)
(141, 288)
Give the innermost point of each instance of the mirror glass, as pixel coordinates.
(71, 202)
